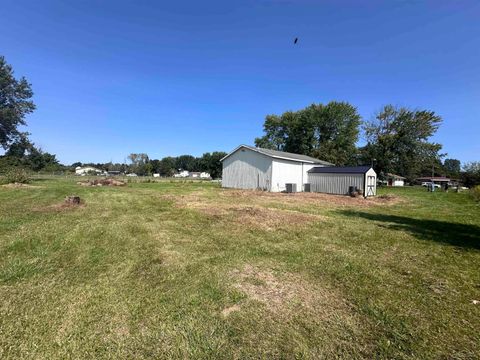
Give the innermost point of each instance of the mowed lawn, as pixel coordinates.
(190, 270)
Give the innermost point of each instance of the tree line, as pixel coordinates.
(141, 164)
(396, 140)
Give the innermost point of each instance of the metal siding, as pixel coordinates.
(332, 183)
(247, 169)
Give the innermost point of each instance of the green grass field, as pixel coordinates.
(189, 270)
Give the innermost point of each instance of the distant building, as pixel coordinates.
(395, 180)
(87, 170)
(182, 174)
(435, 179)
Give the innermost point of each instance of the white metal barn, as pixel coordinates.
(338, 180)
(248, 167)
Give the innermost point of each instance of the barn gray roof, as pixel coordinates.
(281, 155)
(341, 169)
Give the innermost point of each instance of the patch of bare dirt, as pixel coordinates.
(102, 182)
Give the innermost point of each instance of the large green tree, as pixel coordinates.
(210, 162)
(398, 141)
(186, 162)
(15, 104)
(167, 166)
(471, 174)
(452, 167)
(328, 132)
(23, 153)
(139, 163)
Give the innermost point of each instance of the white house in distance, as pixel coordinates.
(395, 180)
(82, 171)
(248, 167)
(200, 175)
(182, 174)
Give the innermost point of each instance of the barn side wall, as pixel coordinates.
(283, 172)
(247, 169)
(335, 183)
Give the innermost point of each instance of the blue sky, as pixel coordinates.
(178, 77)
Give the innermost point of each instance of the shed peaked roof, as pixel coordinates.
(281, 155)
(395, 176)
(341, 169)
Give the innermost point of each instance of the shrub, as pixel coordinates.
(17, 175)
(475, 192)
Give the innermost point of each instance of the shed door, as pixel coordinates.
(370, 186)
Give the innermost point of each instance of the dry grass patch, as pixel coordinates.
(255, 216)
(60, 207)
(289, 297)
(228, 310)
(308, 198)
(102, 182)
(17, 185)
(251, 214)
(282, 291)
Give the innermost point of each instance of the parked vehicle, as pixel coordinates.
(426, 184)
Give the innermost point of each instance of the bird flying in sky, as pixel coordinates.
(295, 41)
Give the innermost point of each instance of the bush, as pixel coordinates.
(475, 192)
(17, 175)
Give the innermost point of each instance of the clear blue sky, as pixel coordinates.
(178, 77)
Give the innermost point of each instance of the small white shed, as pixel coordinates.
(248, 167)
(338, 180)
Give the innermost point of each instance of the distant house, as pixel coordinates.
(200, 175)
(87, 170)
(114, 173)
(395, 180)
(182, 174)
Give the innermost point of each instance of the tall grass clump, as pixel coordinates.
(475, 193)
(16, 175)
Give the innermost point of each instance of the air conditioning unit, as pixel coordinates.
(306, 187)
(291, 188)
